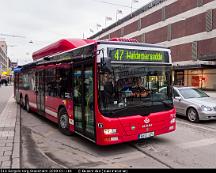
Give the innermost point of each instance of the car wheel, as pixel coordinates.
(63, 120)
(192, 115)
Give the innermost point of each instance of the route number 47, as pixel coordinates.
(118, 55)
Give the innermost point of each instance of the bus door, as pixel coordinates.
(84, 120)
(40, 92)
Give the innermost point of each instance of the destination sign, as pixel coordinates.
(117, 54)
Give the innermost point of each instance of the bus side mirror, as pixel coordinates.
(106, 64)
(178, 98)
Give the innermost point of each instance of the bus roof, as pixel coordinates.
(131, 43)
(60, 46)
(69, 44)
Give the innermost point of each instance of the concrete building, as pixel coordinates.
(187, 27)
(4, 60)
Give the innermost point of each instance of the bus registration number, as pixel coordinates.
(146, 135)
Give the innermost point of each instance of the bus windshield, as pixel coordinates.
(134, 90)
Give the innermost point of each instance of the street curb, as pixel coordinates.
(16, 154)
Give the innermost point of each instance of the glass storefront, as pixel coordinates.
(200, 78)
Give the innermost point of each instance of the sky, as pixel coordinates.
(29, 25)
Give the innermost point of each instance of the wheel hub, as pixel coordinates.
(192, 115)
(63, 121)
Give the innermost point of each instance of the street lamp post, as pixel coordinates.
(107, 18)
(98, 26)
(91, 30)
(118, 12)
(133, 1)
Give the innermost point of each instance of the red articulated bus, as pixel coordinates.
(108, 91)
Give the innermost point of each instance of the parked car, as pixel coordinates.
(193, 103)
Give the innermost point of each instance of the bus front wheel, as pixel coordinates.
(63, 121)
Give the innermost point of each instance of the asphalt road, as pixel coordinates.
(190, 146)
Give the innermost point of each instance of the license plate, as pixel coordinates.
(146, 135)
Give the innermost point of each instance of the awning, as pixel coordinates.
(17, 69)
(184, 65)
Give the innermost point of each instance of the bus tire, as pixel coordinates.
(63, 122)
(21, 102)
(27, 107)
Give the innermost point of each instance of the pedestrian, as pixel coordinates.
(4, 80)
(8, 82)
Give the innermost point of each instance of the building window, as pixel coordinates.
(199, 3)
(163, 13)
(179, 78)
(194, 51)
(122, 32)
(143, 38)
(169, 32)
(209, 23)
(139, 24)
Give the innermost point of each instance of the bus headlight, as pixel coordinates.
(172, 115)
(110, 131)
(172, 121)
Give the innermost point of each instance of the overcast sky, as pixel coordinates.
(46, 21)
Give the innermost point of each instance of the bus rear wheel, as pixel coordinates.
(27, 107)
(63, 121)
(21, 102)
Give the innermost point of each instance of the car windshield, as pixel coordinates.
(134, 90)
(188, 93)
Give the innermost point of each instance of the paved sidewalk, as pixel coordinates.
(10, 136)
(211, 93)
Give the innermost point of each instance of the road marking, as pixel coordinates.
(199, 143)
(197, 126)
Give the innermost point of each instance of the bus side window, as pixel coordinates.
(50, 82)
(64, 86)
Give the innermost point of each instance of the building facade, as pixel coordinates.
(4, 60)
(187, 27)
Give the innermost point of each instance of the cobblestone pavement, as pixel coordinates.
(10, 136)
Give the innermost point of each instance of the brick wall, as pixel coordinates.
(179, 7)
(181, 52)
(177, 29)
(156, 36)
(207, 47)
